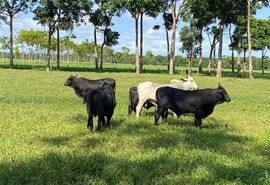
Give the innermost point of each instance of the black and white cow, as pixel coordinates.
(147, 90)
(100, 102)
(82, 85)
(134, 100)
(199, 102)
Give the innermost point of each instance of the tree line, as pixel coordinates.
(211, 16)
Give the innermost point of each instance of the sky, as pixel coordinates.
(154, 40)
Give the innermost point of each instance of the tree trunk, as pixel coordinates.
(250, 64)
(244, 70)
(239, 58)
(231, 40)
(189, 62)
(101, 57)
(219, 65)
(232, 61)
(262, 63)
(96, 53)
(137, 63)
(172, 53)
(49, 50)
(58, 49)
(11, 42)
(200, 71)
(101, 51)
(211, 54)
(168, 49)
(141, 42)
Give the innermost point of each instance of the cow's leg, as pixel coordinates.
(165, 116)
(198, 121)
(101, 122)
(159, 112)
(108, 120)
(90, 122)
(139, 107)
(129, 109)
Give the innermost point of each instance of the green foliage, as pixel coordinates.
(260, 34)
(33, 38)
(44, 140)
(4, 42)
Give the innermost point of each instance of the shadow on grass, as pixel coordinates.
(79, 118)
(165, 154)
(102, 168)
(57, 141)
(127, 69)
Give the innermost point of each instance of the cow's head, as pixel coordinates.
(70, 80)
(189, 83)
(224, 95)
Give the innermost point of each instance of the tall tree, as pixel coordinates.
(251, 4)
(33, 38)
(10, 8)
(60, 15)
(137, 9)
(199, 15)
(224, 11)
(260, 37)
(214, 32)
(101, 18)
(4, 41)
(190, 38)
(96, 19)
(176, 6)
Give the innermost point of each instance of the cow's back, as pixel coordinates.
(148, 89)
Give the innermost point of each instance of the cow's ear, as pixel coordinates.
(184, 80)
(219, 86)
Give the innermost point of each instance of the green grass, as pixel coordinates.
(44, 140)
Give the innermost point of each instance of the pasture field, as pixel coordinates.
(44, 140)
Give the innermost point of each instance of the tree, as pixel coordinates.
(167, 18)
(4, 44)
(60, 15)
(67, 46)
(149, 58)
(101, 18)
(214, 31)
(260, 36)
(35, 39)
(189, 37)
(2, 17)
(176, 7)
(199, 15)
(9, 9)
(250, 5)
(137, 9)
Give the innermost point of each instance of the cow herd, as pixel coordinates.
(180, 96)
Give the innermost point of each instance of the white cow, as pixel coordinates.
(147, 90)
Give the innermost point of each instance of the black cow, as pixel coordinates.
(82, 85)
(134, 100)
(199, 102)
(100, 102)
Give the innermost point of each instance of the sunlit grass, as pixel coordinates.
(44, 140)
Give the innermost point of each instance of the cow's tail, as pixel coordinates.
(87, 99)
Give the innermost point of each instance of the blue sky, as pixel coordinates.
(154, 40)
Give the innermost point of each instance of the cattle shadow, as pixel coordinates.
(79, 118)
(102, 168)
(57, 141)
